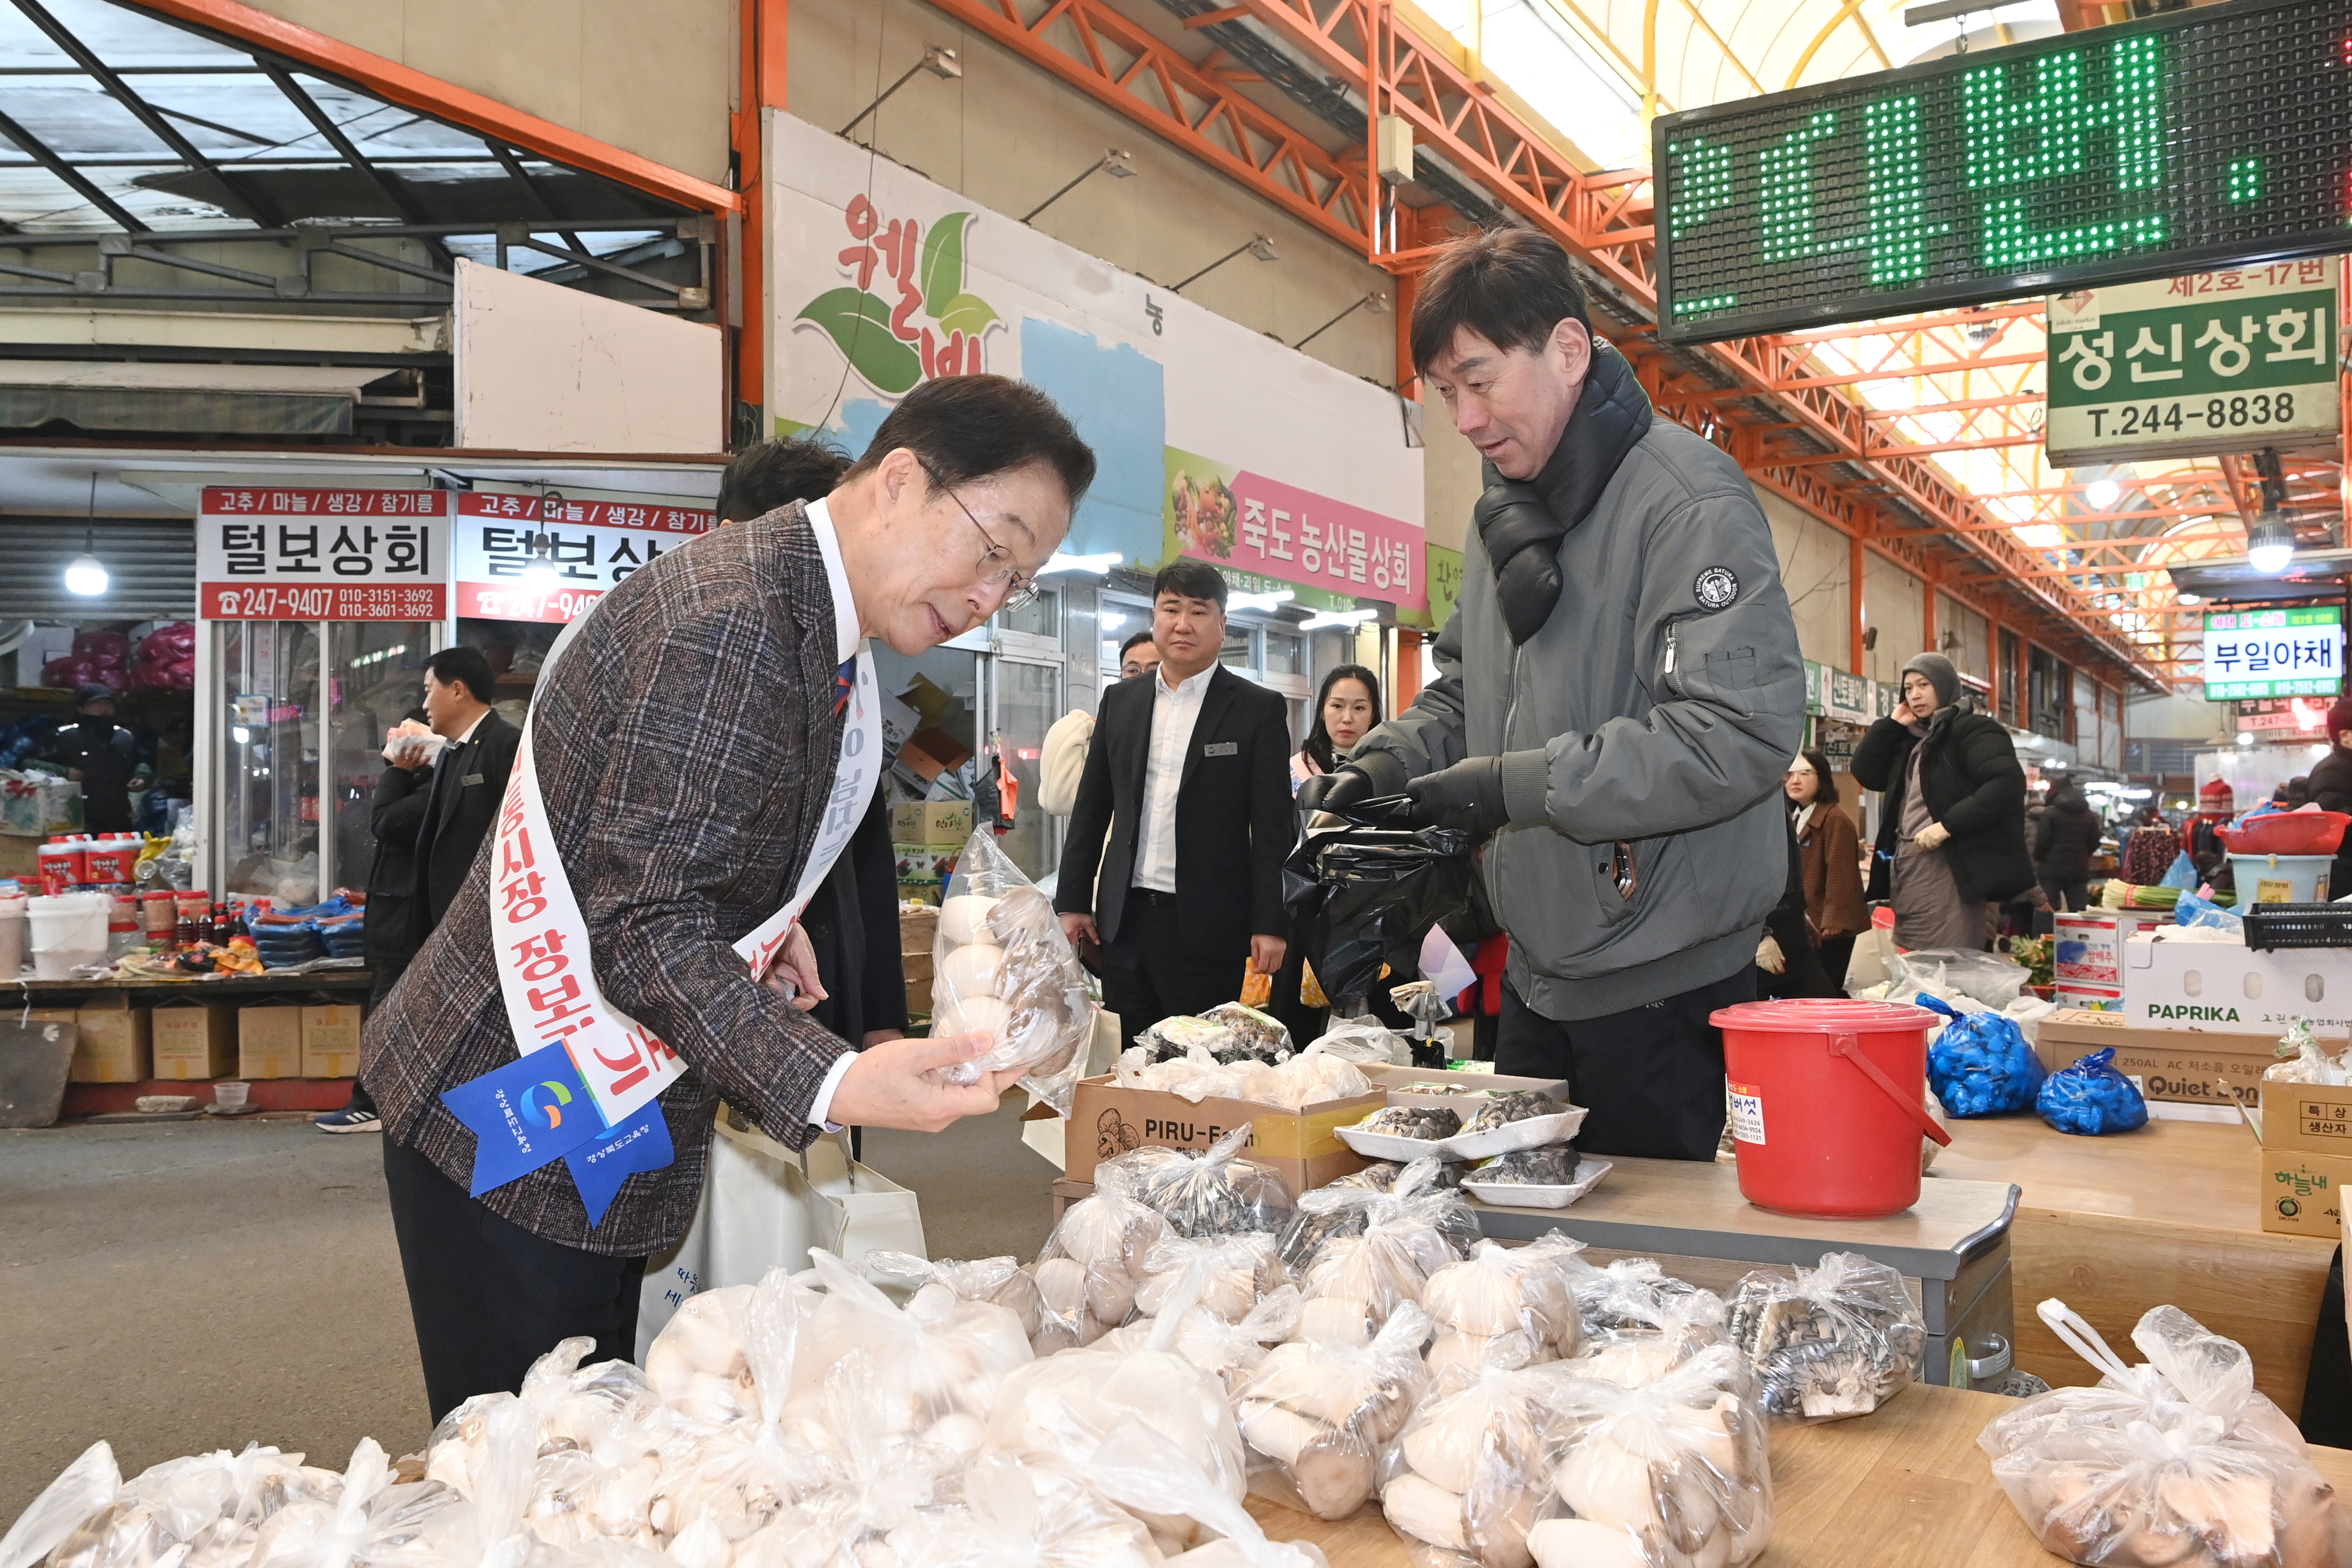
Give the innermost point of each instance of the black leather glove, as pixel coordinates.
(1467, 795)
(1336, 791)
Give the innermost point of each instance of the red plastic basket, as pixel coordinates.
(2288, 833)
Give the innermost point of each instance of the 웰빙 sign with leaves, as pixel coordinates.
(1212, 439)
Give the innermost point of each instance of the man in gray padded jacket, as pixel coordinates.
(1620, 693)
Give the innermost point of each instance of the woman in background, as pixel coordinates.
(1345, 711)
(1832, 853)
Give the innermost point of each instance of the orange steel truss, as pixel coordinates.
(1799, 430)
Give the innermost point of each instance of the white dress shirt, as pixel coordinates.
(1174, 710)
(846, 641)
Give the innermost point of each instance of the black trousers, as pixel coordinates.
(490, 1298)
(1148, 974)
(1652, 1077)
(2068, 896)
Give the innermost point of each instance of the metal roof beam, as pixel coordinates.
(282, 77)
(162, 129)
(73, 177)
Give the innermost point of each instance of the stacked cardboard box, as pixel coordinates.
(917, 927)
(2306, 1157)
(195, 1042)
(112, 1047)
(270, 1042)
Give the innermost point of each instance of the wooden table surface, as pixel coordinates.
(2116, 1225)
(1908, 1485)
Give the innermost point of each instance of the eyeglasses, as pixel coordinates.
(1020, 589)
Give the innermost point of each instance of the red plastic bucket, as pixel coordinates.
(1825, 1104)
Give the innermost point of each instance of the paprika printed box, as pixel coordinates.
(2228, 985)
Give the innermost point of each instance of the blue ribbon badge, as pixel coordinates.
(536, 1110)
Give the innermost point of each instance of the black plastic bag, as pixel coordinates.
(1363, 893)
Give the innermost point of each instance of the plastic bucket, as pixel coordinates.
(12, 937)
(1826, 1113)
(2280, 879)
(112, 860)
(67, 930)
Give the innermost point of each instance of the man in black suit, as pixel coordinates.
(469, 781)
(1189, 777)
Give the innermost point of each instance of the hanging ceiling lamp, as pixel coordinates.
(85, 574)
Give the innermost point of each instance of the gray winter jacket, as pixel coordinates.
(1654, 711)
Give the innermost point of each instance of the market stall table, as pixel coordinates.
(1952, 1247)
(1906, 1485)
(2116, 1225)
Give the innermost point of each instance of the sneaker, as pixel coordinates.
(350, 1119)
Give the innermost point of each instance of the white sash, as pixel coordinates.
(545, 973)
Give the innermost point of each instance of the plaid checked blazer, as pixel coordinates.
(681, 744)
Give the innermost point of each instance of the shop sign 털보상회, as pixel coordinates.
(302, 554)
(590, 548)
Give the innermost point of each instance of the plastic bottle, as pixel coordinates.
(123, 934)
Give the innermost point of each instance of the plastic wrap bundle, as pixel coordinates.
(1671, 1474)
(1215, 1193)
(2091, 1097)
(1979, 1063)
(1639, 1321)
(1090, 1267)
(937, 1360)
(98, 658)
(1360, 894)
(1001, 968)
(2179, 1462)
(1838, 1340)
(1505, 1306)
(2305, 1061)
(166, 659)
(999, 1280)
(1356, 1283)
(1317, 1415)
(1230, 1352)
(1472, 1466)
(1140, 1470)
(1223, 1275)
(1228, 1033)
(1053, 1414)
(1311, 1077)
(1346, 1207)
(224, 1510)
(1016, 1516)
(867, 1484)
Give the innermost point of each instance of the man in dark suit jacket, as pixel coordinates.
(683, 747)
(467, 783)
(1188, 779)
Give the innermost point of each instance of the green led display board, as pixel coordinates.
(2200, 138)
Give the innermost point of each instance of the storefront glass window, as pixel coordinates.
(377, 676)
(1028, 701)
(269, 760)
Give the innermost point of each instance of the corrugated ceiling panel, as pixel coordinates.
(150, 568)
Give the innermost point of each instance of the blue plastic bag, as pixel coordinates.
(2181, 874)
(2091, 1097)
(1979, 1065)
(2194, 911)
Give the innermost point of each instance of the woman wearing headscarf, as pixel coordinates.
(1951, 839)
(1830, 853)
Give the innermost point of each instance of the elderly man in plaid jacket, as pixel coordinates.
(681, 744)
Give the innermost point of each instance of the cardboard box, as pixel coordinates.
(917, 930)
(936, 823)
(2226, 984)
(2088, 948)
(919, 997)
(193, 1042)
(113, 1045)
(924, 865)
(2090, 999)
(270, 1042)
(2185, 1065)
(1107, 1120)
(331, 1041)
(2312, 1117)
(2302, 1193)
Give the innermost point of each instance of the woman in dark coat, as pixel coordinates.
(1951, 838)
(2062, 847)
